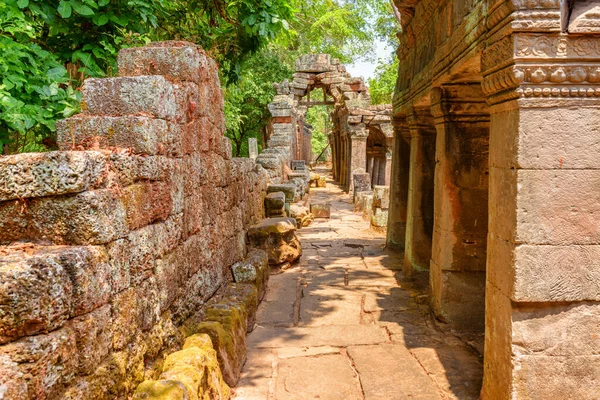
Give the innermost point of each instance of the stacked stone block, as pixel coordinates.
(111, 243)
(380, 207)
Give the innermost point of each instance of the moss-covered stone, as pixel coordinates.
(254, 269)
(161, 390)
(198, 369)
(277, 236)
(244, 296)
(230, 344)
(201, 341)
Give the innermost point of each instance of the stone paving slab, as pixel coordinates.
(390, 372)
(330, 306)
(327, 377)
(338, 336)
(342, 324)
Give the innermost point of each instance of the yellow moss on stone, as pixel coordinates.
(191, 376)
(161, 390)
(201, 340)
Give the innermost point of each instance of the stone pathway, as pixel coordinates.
(339, 325)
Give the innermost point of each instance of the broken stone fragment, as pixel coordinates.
(322, 182)
(254, 269)
(301, 214)
(185, 62)
(277, 236)
(289, 189)
(275, 204)
(359, 200)
(321, 210)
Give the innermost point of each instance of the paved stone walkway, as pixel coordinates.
(339, 325)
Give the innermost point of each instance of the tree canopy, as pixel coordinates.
(48, 47)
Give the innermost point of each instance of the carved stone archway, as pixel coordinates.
(353, 118)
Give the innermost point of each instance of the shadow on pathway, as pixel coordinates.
(341, 324)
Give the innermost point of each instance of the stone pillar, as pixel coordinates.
(376, 166)
(389, 146)
(457, 268)
(543, 280)
(252, 148)
(358, 155)
(419, 225)
(396, 229)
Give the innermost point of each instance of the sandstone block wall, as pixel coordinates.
(109, 245)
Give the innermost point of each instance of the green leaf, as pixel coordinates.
(22, 3)
(82, 9)
(64, 9)
(100, 20)
(102, 3)
(56, 73)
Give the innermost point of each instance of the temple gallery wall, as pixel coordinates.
(494, 184)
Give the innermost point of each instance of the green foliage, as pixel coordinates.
(246, 102)
(382, 85)
(34, 89)
(49, 47)
(318, 117)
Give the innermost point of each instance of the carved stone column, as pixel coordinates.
(543, 277)
(458, 259)
(396, 229)
(419, 226)
(389, 147)
(358, 151)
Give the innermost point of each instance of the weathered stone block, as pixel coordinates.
(558, 207)
(359, 200)
(570, 273)
(147, 202)
(254, 269)
(47, 174)
(92, 217)
(288, 188)
(133, 95)
(41, 365)
(35, 293)
(138, 134)
(298, 165)
(362, 182)
(214, 386)
(321, 210)
(231, 350)
(381, 197)
(368, 207)
(275, 204)
(379, 218)
(182, 61)
(245, 297)
(277, 236)
(93, 337)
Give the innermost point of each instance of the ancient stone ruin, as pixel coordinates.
(116, 250)
(494, 182)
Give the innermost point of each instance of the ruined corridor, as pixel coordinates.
(342, 324)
